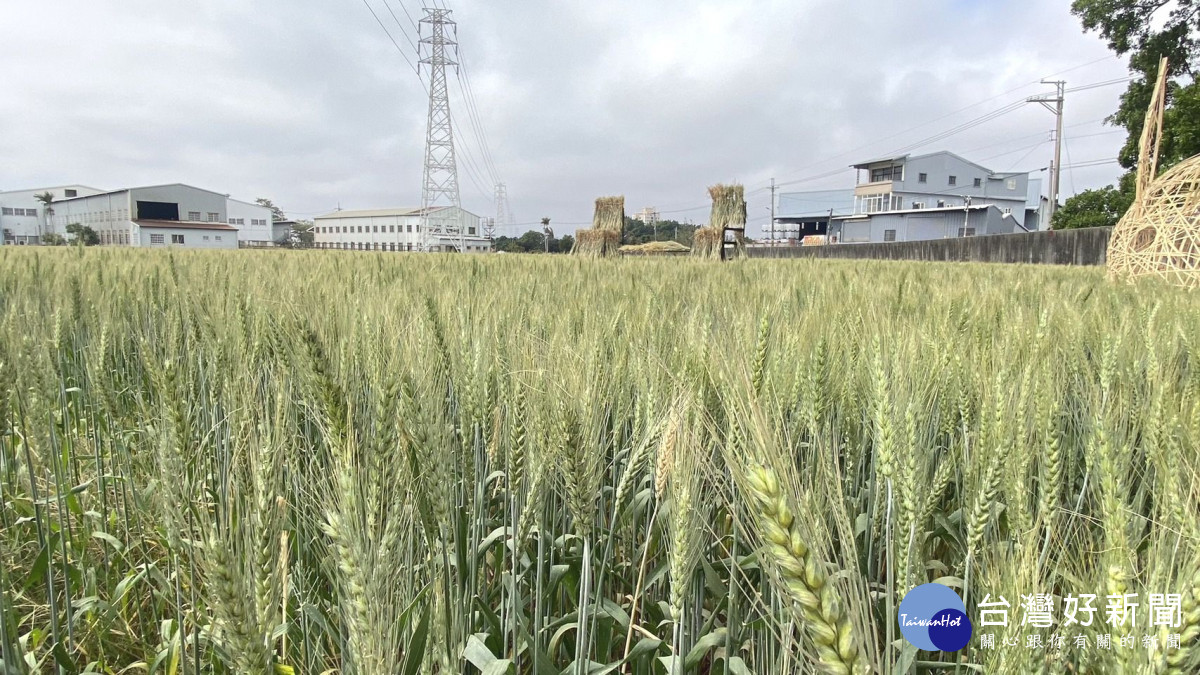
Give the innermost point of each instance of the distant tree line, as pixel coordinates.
(636, 232)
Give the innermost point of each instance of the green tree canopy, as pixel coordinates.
(83, 235)
(1145, 31)
(277, 214)
(1093, 208)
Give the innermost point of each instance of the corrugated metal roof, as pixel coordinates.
(373, 213)
(53, 188)
(936, 209)
(145, 187)
(881, 160)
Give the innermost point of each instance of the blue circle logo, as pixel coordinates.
(932, 617)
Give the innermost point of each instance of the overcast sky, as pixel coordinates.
(309, 103)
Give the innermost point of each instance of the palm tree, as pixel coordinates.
(45, 198)
(547, 233)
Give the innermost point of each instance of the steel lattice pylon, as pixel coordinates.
(503, 215)
(440, 202)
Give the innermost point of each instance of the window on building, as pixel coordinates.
(1007, 211)
(157, 239)
(886, 174)
(206, 237)
(470, 230)
(6, 211)
(218, 237)
(213, 217)
(1011, 183)
(71, 193)
(889, 235)
(966, 232)
(978, 182)
(918, 205)
(922, 178)
(410, 227)
(410, 247)
(391, 228)
(954, 180)
(941, 203)
(194, 216)
(177, 239)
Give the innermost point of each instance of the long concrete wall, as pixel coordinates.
(1066, 247)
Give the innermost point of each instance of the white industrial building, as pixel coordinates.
(158, 215)
(397, 230)
(23, 215)
(253, 223)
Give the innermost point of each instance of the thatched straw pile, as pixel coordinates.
(728, 213)
(655, 248)
(608, 224)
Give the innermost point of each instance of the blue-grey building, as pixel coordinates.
(906, 198)
(803, 214)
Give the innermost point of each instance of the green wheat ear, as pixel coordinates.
(803, 576)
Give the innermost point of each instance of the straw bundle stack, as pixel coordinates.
(608, 225)
(707, 242)
(728, 213)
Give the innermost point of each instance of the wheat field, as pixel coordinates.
(302, 462)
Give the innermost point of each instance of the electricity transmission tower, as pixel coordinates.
(440, 204)
(503, 214)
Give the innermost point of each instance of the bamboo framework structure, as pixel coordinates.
(1160, 234)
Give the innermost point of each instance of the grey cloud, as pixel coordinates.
(307, 102)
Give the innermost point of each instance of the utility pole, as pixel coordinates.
(441, 208)
(547, 233)
(1055, 105)
(772, 212)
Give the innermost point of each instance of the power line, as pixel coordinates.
(968, 107)
(388, 5)
(476, 127)
(1083, 165)
(464, 83)
(404, 7)
(1026, 155)
(1097, 85)
(394, 43)
(995, 114)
